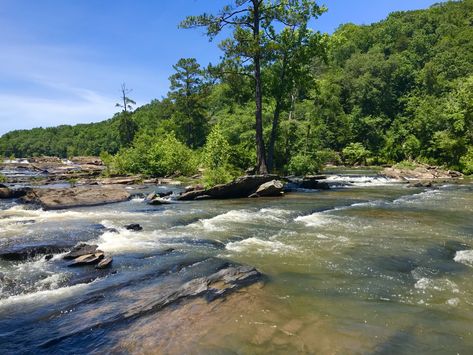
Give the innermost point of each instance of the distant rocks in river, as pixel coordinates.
(158, 198)
(6, 192)
(53, 199)
(81, 250)
(421, 172)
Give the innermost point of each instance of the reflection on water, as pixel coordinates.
(374, 267)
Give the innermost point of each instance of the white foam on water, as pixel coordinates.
(443, 284)
(40, 297)
(464, 257)
(228, 220)
(128, 241)
(259, 246)
(360, 181)
(316, 219)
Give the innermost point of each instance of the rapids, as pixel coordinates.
(370, 266)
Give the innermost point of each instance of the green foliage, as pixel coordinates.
(303, 164)
(3, 178)
(153, 155)
(355, 153)
(406, 164)
(466, 162)
(215, 159)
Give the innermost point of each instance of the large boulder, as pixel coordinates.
(270, 188)
(54, 199)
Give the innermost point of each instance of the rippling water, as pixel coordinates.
(374, 267)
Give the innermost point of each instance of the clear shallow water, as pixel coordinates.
(374, 267)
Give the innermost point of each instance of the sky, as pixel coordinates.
(63, 61)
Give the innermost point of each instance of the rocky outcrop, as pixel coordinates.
(122, 180)
(81, 250)
(53, 199)
(269, 189)
(241, 187)
(421, 172)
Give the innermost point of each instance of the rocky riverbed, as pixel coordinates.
(348, 262)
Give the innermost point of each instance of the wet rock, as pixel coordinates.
(53, 199)
(191, 195)
(104, 263)
(197, 187)
(271, 188)
(88, 259)
(134, 227)
(159, 201)
(81, 250)
(426, 184)
(25, 253)
(6, 192)
(313, 182)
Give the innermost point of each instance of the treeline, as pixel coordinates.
(400, 89)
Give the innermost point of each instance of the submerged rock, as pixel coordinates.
(134, 227)
(25, 253)
(52, 199)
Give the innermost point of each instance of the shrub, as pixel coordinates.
(3, 178)
(215, 159)
(466, 162)
(304, 164)
(355, 153)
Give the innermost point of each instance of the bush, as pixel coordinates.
(466, 162)
(304, 164)
(153, 156)
(3, 178)
(355, 153)
(215, 159)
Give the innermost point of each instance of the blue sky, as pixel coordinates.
(63, 61)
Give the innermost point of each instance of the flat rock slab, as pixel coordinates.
(55, 199)
(104, 263)
(89, 259)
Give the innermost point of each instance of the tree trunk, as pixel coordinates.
(261, 167)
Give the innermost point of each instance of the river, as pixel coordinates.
(370, 267)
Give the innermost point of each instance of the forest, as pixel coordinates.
(400, 90)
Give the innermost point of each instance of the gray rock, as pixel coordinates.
(104, 263)
(270, 188)
(88, 259)
(80, 250)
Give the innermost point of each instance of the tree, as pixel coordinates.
(188, 92)
(253, 23)
(126, 125)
